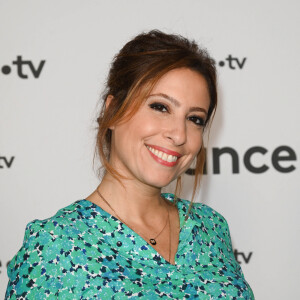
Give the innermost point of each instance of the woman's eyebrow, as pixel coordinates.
(197, 108)
(177, 103)
(167, 97)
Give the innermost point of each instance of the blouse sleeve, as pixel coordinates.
(228, 242)
(34, 271)
(218, 229)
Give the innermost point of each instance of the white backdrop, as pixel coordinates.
(48, 119)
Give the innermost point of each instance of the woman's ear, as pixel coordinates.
(108, 100)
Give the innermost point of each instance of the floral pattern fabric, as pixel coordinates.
(83, 252)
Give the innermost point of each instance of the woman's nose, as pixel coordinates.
(176, 132)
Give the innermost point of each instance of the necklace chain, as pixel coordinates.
(152, 241)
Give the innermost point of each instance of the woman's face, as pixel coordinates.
(161, 140)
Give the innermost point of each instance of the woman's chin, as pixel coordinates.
(159, 182)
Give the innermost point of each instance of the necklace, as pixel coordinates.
(152, 241)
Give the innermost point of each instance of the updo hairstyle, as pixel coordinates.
(134, 72)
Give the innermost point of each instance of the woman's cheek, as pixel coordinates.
(195, 138)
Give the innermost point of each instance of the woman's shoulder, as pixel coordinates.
(206, 218)
(46, 242)
(68, 222)
(195, 210)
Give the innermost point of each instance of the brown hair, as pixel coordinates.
(134, 72)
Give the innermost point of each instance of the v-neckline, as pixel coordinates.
(182, 222)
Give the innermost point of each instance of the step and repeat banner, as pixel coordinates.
(54, 58)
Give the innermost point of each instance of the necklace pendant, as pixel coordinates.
(152, 241)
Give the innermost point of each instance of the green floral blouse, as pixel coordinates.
(83, 252)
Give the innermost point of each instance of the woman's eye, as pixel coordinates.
(159, 107)
(197, 120)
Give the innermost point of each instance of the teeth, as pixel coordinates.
(164, 156)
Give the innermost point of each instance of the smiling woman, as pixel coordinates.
(170, 121)
(127, 240)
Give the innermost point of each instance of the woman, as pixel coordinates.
(127, 240)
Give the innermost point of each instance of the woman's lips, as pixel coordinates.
(164, 156)
(164, 150)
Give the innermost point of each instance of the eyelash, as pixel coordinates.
(159, 107)
(198, 121)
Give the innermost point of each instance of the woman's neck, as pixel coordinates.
(130, 199)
